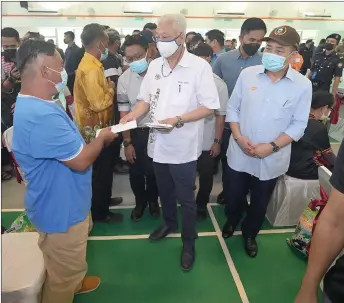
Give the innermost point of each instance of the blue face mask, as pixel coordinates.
(273, 62)
(104, 55)
(60, 86)
(139, 66)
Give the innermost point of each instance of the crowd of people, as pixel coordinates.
(246, 108)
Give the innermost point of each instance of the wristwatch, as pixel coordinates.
(275, 147)
(217, 141)
(180, 122)
(126, 143)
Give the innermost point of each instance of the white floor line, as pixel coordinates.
(9, 210)
(122, 207)
(269, 231)
(136, 237)
(228, 257)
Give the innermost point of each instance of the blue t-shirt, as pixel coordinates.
(57, 197)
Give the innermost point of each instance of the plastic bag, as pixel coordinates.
(21, 224)
(301, 239)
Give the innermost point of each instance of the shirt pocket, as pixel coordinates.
(284, 110)
(181, 95)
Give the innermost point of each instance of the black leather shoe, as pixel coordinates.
(201, 215)
(221, 198)
(111, 218)
(154, 209)
(121, 169)
(116, 201)
(194, 187)
(251, 247)
(188, 258)
(160, 233)
(138, 212)
(227, 230)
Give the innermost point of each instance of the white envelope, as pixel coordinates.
(158, 125)
(118, 128)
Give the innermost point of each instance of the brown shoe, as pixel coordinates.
(89, 284)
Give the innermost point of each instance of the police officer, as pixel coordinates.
(327, 66)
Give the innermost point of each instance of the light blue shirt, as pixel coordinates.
(57, 197)
(228, 66)
(215, 56)
(265, 110)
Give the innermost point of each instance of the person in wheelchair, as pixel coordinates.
(314, 148)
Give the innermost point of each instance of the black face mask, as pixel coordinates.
(250, 48)
(329, 46)
(10, 53)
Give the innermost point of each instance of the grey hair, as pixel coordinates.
(178, 21)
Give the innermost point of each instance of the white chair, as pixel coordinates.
(289, 200)
(23, 272)
(7, 141)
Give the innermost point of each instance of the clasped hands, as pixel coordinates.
(254, 150)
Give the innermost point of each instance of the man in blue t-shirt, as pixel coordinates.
(57, 167)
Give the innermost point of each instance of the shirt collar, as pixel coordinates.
(92, 59)
(184, 61)
(289, 74)
(219, 52)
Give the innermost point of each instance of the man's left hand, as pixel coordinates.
(263, 150)
(171, 121)
(215, 150)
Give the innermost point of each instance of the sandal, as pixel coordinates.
(6, 175)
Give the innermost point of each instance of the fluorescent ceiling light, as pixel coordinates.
(55, 5)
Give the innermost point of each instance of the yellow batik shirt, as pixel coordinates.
(93, 99)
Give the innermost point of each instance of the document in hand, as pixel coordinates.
(158, 125)
(118, 128)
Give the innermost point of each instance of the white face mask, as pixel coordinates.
(167, 48)
(325, 117)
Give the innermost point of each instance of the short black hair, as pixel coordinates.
(10, 32)
(51, 41)
(136, 40)
(70, 34)
(30, 49)
(203, 50)
(151, 26)
(252, 24)
(309, 41)
(136, 31)
(321, 99)
(113, 36)
(91, 32)
(106, 27)
(234, 40)
(217, 35)
(322, 41)
(191, 33)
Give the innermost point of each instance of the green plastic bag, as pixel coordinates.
(21, 224)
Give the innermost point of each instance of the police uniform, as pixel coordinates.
(324, 68)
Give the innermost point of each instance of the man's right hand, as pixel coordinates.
(127, 118)
(130, 153)
(107, 136)
(246, 145)
(111, 84)
(15, 73)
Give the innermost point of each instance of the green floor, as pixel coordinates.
(136, 271)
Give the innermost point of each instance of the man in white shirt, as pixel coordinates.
(212, 137)
(141, 173)
(267, 110)
(179, 90)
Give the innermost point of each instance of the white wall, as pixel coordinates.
(126, 25)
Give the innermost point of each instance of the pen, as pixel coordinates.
(179, 88)
(285, 103)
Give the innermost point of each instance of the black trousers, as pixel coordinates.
(176, 182)
(102, 178)
(237, 185)
(141, 173)
(205, 165)
(224, 146)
